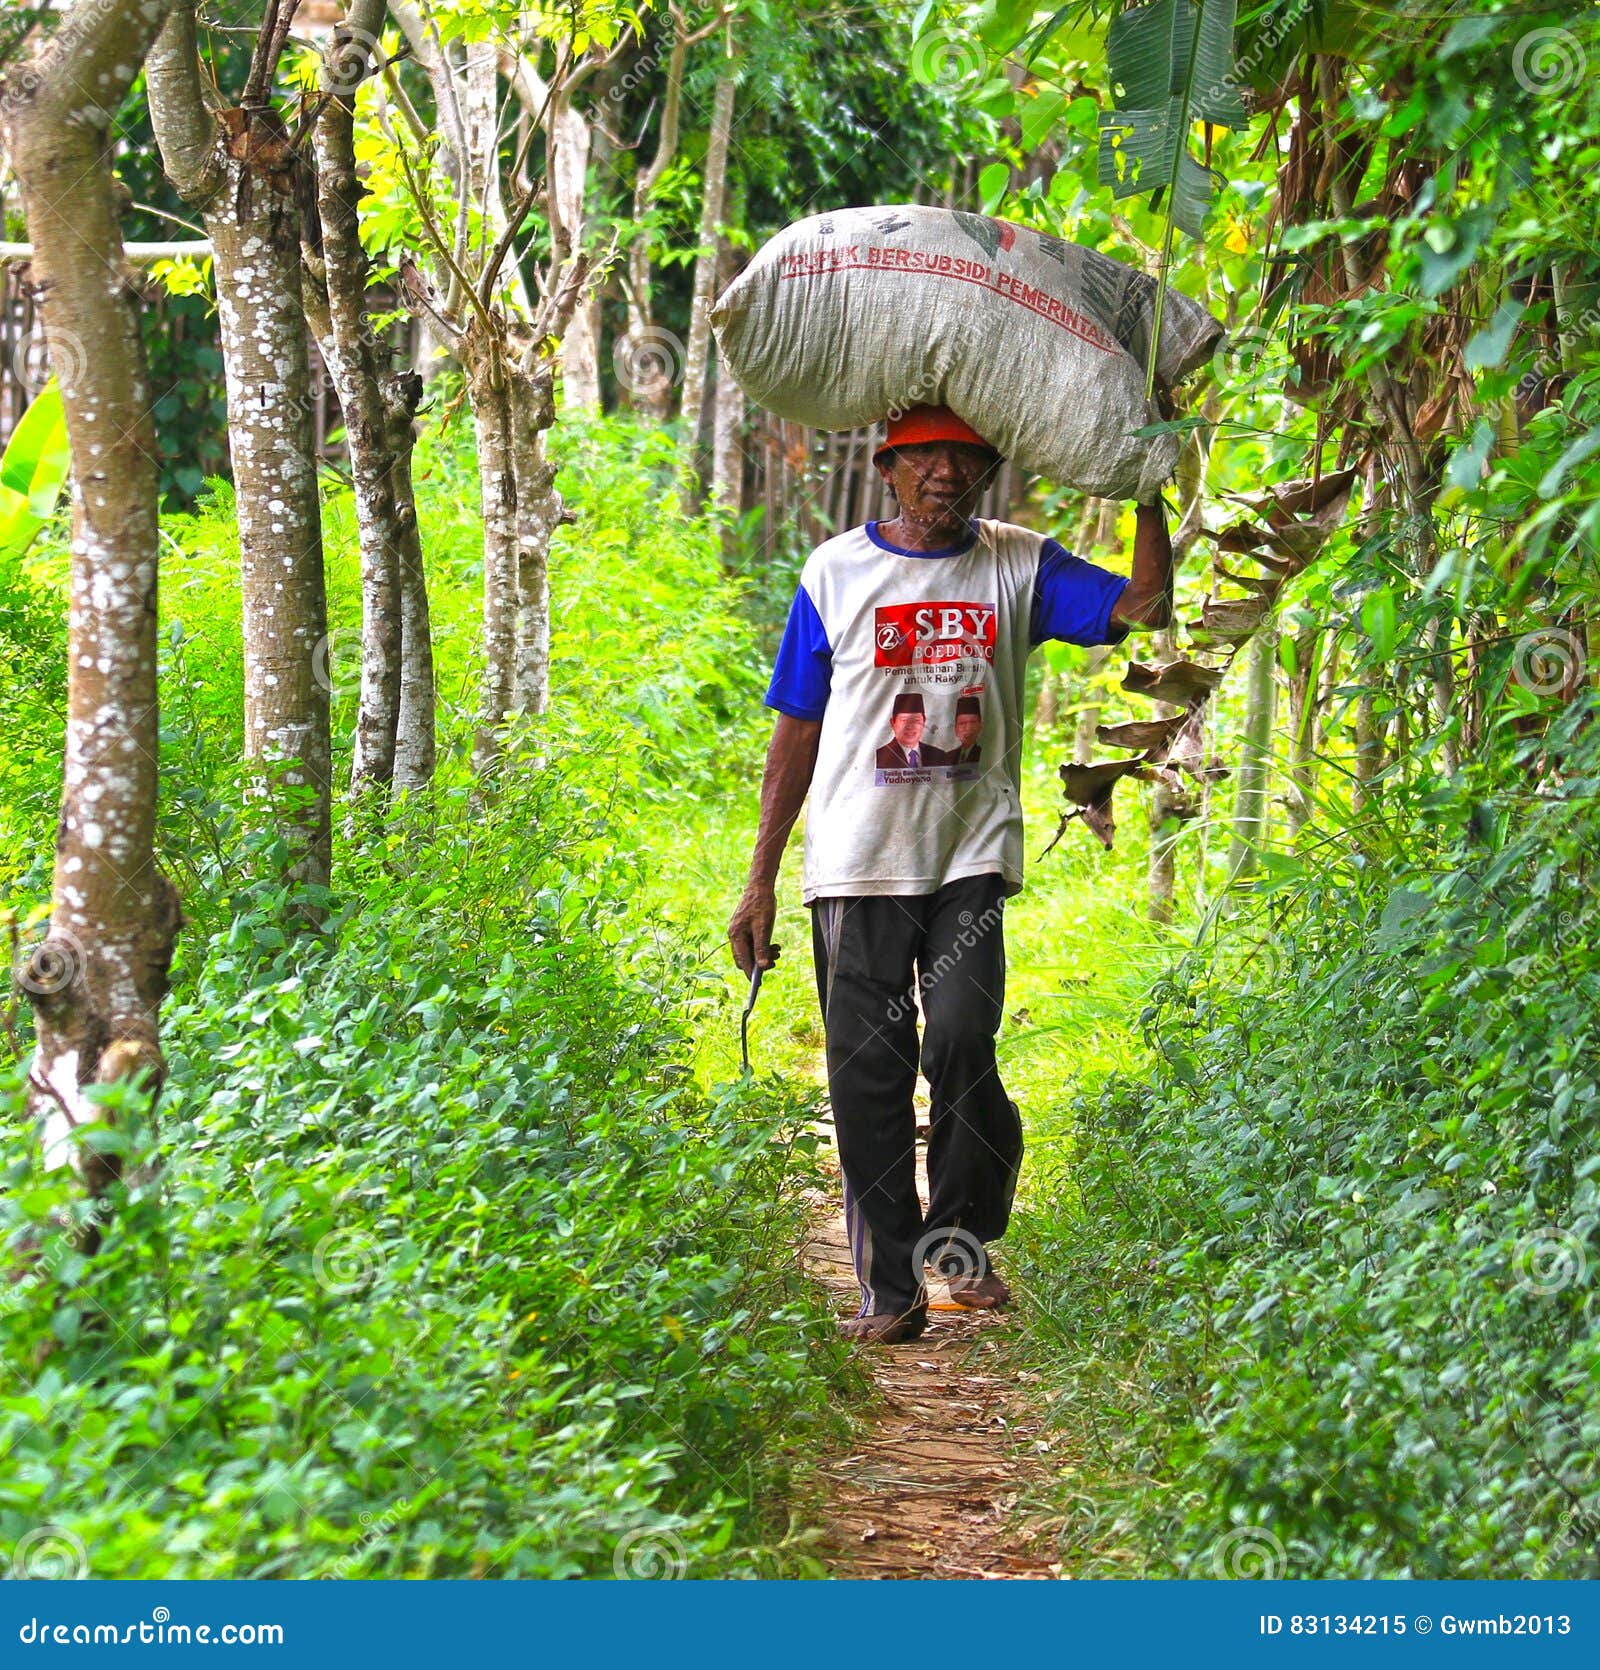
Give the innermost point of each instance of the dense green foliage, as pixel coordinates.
(1330, 1273)
(458, 1250)
(443, 1261)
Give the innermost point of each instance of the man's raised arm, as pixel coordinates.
(1146, 600)
(791, 759)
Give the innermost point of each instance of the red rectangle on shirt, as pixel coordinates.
(917, 634)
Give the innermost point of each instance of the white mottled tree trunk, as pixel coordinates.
(415, 748)
(488, 387)
(352, 357)
(727, 428)
(697, 354)
(237, 171)
(272, 442)
(539, 514)
(580, 347)
(97, 979)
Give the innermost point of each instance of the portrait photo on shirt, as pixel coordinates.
(965, 759)
(905, 757)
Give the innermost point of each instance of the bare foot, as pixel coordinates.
(985, 1292)
(885, 1327)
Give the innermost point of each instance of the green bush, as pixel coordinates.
(1328, 1291)
(438, 1259)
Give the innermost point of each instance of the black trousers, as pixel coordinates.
(875, 957)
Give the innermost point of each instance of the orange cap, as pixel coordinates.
(917, 425)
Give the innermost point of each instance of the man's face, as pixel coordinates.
(907, 728)
(938, 483)
(967, 727)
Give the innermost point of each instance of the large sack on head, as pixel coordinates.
(1038, 343)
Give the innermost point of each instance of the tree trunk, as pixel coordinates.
(488, 387)
(1098, 517)
(1089, 709)
(415, 750)
(539, 514)
(1369, 728)
(239, 174)
(697, 356)
(1369, 749)
(1250, 814)
(97, 979)
(649, 360)
(580, 346)
(353, 364)
(727, 442)
(288, 682)
(1047, 705)
(1303, 689)
(1161, 869)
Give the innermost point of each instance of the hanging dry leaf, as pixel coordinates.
(1091, 785)
(1141, 733)
(1302, 497)
(1229, 620)
(1185, 749)
(1310, 495)
(1250, 582)
(1262, 544)
(1178, 682)
(1101, 822)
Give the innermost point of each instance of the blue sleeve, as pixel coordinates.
(1073, 600)
(804, 670)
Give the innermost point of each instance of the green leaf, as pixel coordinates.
(1040, 115)
(1466, 33)
(1000, 24)
(1574, 454)
(1489, 346)
(1148, 58)
(1215, 94)
(18, 524)
(1378, 621)
(1136, 148)
(1449, 247)
(993, 183)
(1465, 469)
(1402, 907)
(1081, 44)
(37, 461)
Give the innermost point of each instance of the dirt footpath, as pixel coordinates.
(930, 1487)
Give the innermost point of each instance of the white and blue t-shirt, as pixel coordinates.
(879, 638)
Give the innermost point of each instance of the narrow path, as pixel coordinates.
(930, 1486)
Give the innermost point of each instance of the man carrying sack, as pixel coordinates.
(907, 639)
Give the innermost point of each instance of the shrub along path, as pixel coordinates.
(931, 1486)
